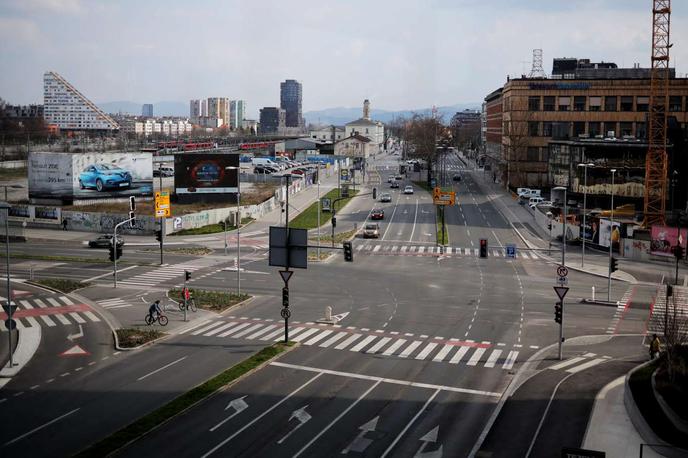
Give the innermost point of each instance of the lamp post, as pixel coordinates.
(238, 223)
(611, 231)
(585, 203)
(563, 231)
(6, 207)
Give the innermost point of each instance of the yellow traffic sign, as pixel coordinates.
(440, 197)
(162, 213)
(162, 204)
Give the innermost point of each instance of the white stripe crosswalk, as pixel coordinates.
(159, 275)
(50, 312)
(422, 250)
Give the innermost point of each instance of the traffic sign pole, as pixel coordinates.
(561, 293)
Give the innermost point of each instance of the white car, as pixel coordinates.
(408, 190)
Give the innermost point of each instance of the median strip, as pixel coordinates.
(160, 416)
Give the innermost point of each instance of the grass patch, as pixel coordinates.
(442, 236)
(324, 254)
(131, 338)
(217, 301)
(339, 237)
(423, 184)
(148, 422)
(61, 284)
(308, 219)
(212, 228)
(194, 251)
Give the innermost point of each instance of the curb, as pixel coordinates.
(596, 302)
(678, 422)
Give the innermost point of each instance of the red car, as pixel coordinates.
(377, 214)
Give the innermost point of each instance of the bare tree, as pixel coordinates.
(674, 322)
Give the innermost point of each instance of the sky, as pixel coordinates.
(400, 54)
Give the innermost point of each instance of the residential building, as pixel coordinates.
(22, 111)
(327, 133)
(147, 110)
(69, 109)
(354, 146)
(291, 94)
(272, 120)
(218, 108)
(237, 112)
(466, 128)
(204, 108)
(195, 110)
(150, 126)
(372, 130)
(492, 153)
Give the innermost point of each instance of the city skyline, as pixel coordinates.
(422, 55)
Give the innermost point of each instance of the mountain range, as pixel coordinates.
(337, 116)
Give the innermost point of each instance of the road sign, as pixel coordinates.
(10, 324)
(163, 213)
(162, 204)
(562, 280)
(6, 308)
(561, 291)
(326, 204)
(562, 271)
(285, 313)
(344, 175)
(440, 197)
(511, 251)
(286, 275)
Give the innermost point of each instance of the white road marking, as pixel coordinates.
(359, 346)
(411, 347)
(161, 368)
(54, 420)
(426, 351)
(510, 360)
(319, 337)
(248, 330)
(206, 328)
(458, 355)
(415, 216)
(195, 326)
(587, 365)
(348, 342)
(109, 274)
(234, 329)
(394, 347)
(408, 425)
(380, 343)
(443, 352)
(262, 331)
(333, 339)
(566, 363)
(305, 334)
(492, 359)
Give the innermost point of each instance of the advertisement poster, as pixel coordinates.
(605, 232)
(69, 176)
(206, 173)
(663, 238)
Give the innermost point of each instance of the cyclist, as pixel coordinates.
(154, 308)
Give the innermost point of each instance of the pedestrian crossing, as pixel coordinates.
(160, 275)
(620, 309)
(579, 363)
(424, 250)
(677, 308)
(451, 351)
(49, 311)
(115, 303)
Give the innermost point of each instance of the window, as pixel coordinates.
(610, 129)
(564, 103)
(594, 103)
(579, 103)
(641, 130)
(642, 103)
(675, 103)
(548, 103)
(546, 129)
(534, 103)
(533, 128)
(578, 129)
(627, 103)
(533, 154)
(610, 103)
(626, 129)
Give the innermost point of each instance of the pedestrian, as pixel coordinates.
(654, 347)
(64, 224)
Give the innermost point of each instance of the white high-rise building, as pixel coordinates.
(237, 112)
(69, 109)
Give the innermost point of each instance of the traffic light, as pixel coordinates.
(158, 235)
(613, 264)
(285, 297)
(374, 193)
(115, 253)
(132, 218)
(678, 252)
(187, 275)
(483, 248)
(557, 312)
(118, 251)
(348, 252)
(334, 222)
(132, 203)
(112, 253)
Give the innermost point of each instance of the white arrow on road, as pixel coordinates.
(431, 436)
(340, 316)
(405, 212)
(360, 443)
(238, 404)
(71, 337)
(302, 416)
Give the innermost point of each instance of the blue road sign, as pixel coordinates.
(511, 251)
(10, 324)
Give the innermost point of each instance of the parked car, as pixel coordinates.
(408, 190)
(260, 169)
(105, 241)
(371, 231)
(385, 197)
(104, 176)
(377, 213)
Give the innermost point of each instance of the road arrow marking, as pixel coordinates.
(360, 443)
(340, 316)
(71, 337)
(302, 416)
(238, 405)
(429, 437)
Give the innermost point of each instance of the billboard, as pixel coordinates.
(605, 232)
(69, 176)
(206, 173)
(663, 238)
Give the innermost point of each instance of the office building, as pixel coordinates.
(147, 110)
(272, 120)
(237, 112)
(68, 109)
(218, 108)
(195, 110)
(291, 94)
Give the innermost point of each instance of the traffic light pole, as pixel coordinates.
(561, 330)
(114, 244)
(162, 238)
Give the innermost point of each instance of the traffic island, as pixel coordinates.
(148, 423)
(131, 338)
(60, 284)
(214, 301)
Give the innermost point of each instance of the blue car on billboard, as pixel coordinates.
(104, 176)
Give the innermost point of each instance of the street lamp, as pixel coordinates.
(6, 207)
(611, 231)
(563, 232)
(238, 223)
(585, 203)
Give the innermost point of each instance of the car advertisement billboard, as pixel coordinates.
(69, 176)
(206, 173)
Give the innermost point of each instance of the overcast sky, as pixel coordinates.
(400, 54)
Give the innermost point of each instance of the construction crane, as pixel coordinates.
(656, 159)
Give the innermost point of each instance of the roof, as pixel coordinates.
(361, 122)
(358, 137)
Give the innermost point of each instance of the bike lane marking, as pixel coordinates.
(161, 368)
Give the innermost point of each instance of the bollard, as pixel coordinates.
(328, 313)
(593, 293)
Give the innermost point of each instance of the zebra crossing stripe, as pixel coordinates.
(273, 334)
(475, 252)
(347, 342)
(77, 317)
(394, 347)
(333, 339)
(584, 366)
(492, 359)
(476, 357)
(443, 352)
(91, 316)
(421, 249)
(206, 328)
(46, 319)
(449, 250)
(394, 248)
(467, 251)
(458, 355)
(218, 329)
(305, 334)
(380, 343)
(292, 332)
(413, 249)
(261, 331)
(359, 247)
(408, 350)
(319, 337)
(196, 326)
(248, 330)
(404, 248)
(234, 329)
(565, 363)
(359, 346)
(426, 351)
(510, 360)
(377, 248)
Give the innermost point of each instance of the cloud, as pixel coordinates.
(46, 6)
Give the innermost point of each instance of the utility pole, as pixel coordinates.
(611, 232)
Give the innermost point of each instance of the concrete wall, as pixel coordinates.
(13, 164)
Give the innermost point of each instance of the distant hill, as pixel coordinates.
(165, 108)
(341, 115)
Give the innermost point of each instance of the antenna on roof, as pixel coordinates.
(537, 71)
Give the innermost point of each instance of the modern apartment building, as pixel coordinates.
(291, 94)
(218, 108)
(68, 109)
(195, 110)
(237, 113)
(272, 120)
(147, 110)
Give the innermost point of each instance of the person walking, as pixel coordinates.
(64, 224)
(654, 347)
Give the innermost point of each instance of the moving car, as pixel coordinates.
(391, 178)
(371, 231)
(104, 241)
(408, 190)
(394, 185)
(456, 177)
(385, 197)
(377, 213)
(103, 176)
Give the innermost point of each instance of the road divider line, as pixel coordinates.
(161, 368)
(54, 420)
(408, 425)
(109, 274)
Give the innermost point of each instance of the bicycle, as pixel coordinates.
(190, 304)
(160, 318)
